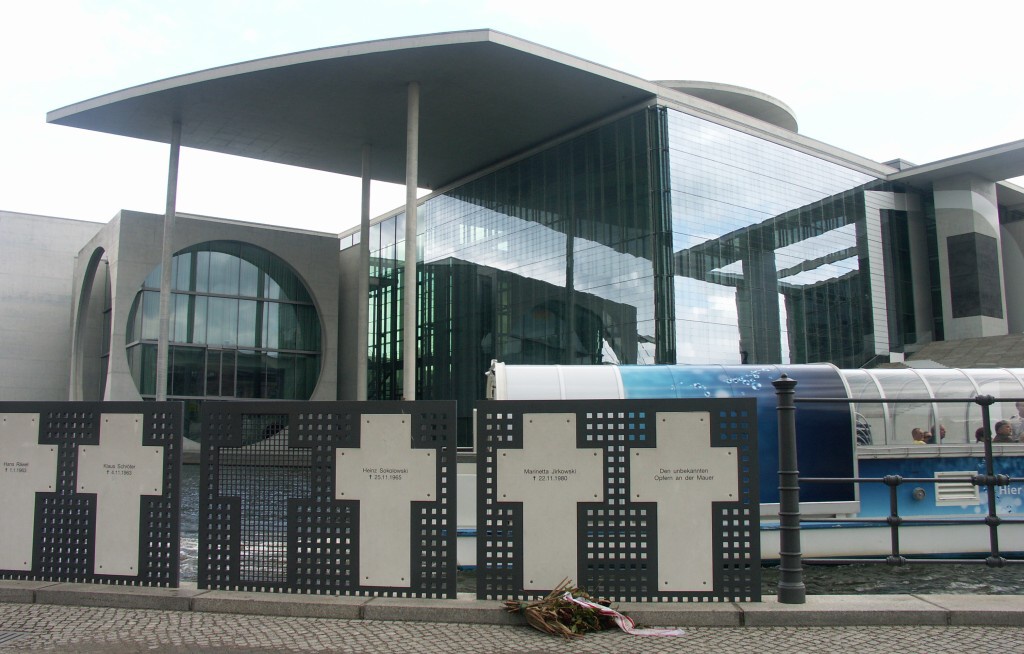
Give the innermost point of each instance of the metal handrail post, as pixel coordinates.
(791, 589)
(995, 559)
(894, 520)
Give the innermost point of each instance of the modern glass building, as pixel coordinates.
(578, 216)
(657, 237)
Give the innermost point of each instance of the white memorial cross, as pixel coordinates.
(26, 468)
(550, 476)
(684, 475)
(385, 474)
(120, 470)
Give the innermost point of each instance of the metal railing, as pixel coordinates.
(791, 589)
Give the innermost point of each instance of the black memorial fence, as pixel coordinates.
(791, 588)
(615, 536)
(270, 517)
(65, 466)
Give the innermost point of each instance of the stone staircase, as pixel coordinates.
(988, 352)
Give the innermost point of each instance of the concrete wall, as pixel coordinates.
(1013, 273)
(37, 258)
(348, 361)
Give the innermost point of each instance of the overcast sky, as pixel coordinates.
(917, 80)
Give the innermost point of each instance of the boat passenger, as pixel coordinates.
(1017, 423)
(929, 436)
(979, 435)
(1004, 432)
(920, 436)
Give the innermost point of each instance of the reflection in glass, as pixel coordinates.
(775, 229)
(659, 237)
(234, 307)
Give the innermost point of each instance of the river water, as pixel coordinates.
(925, 578)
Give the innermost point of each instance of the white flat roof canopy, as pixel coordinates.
(996, 164)
(485, 96)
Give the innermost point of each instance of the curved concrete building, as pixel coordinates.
(746, 101)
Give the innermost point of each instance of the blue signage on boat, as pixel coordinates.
(825, 440)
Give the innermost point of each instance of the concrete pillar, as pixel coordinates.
(923, 316)
(757, 304)
(875, 202)
(412, 136)
(970, 265)
(1013, 268)
(162, 348)
(363, 311)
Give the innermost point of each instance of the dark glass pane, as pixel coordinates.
(186, 371)
(307, 371)
(227, 373)
(248, 323)
(249, 374)
(387, 231)
(213, 376)
(181, 272)
(179, 319)
(202, 271)
(224, 270)
(134, 357)
(147, 369)
(271, 325)
(280, 376)
(287, 327)
(222, 321)
(309, 328)
(197, 319)
(375, 237)
(249, 276)
(151, 315)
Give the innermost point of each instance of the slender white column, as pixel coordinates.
(363, 311)
(165, 262)
(412, 136)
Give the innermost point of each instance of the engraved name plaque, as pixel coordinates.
(385, 475)
(26, 468)
(550, 476)
(120, 470)
(683, 475)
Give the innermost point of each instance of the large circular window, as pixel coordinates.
(242, 325)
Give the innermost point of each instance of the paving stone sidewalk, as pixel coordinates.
(39, 627)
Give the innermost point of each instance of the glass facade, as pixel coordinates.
(769, 250)
(546, 261)
(657, 238)
(242, 326)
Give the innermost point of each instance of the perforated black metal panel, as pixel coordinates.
(617, 538)
(269, 519)
(65, 527)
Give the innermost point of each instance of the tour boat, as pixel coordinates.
(843, 439)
